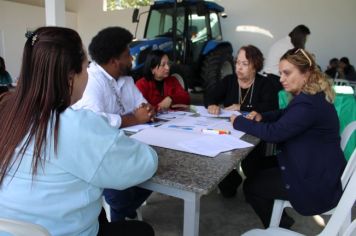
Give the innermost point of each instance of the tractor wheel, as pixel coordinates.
(182, 74)
(216, 65)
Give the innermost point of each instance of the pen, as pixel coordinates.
(181, 127)
(215, 131)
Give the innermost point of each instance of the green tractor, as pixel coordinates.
(190, 32)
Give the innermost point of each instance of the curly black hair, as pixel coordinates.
(109, 43)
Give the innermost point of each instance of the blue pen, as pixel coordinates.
(181, 127)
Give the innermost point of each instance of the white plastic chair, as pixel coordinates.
(21, 228)
(279, 205)
(351, 230)
(341, 82)
(346, 134)
(335, 224)
(106, 207)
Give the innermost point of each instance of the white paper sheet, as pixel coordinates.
(223, 112)
(137, 128)
(199, 123)
(170, 115)
(191, 141)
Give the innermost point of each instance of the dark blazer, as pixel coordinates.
(226, 92)
(310, 157)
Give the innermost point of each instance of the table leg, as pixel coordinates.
(191, 216)
(191, 205)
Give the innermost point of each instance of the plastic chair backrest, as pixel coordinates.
(335, 224)
(21, 228)
(351, 230)
(349, 169)
(341, 82)
(346, 134)
(279, 205)
(343, 208)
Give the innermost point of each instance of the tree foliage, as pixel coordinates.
(119, 4)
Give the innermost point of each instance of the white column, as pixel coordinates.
(55, 12)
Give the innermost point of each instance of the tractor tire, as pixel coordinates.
(182, 74)
(216, 65)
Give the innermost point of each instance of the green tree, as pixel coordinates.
(119, 4)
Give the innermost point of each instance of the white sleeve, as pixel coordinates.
(136, 93)
(94, 99)
(92, 150)
(127, 162)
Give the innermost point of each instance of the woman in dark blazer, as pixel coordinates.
(310, 158)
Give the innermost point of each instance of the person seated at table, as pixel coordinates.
(310, 159)
(346, 70)
(332, 68)
(244, 91)
(112, 93)
(55, 161)
(5, 77)
(159, 88)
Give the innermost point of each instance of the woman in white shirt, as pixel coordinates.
(55, 162)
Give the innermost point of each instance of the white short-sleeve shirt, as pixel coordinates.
(109, 97)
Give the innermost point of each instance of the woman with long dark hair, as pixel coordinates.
(54, 161)
(159, 88)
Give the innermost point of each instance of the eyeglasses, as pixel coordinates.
(305, 55)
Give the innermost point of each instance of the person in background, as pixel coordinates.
(346, 70)
(331, 71)
(161, 90)
(295, 39)
(5, 77)
(55, 161)
(110, 92)
(244, 91)
(310, 159)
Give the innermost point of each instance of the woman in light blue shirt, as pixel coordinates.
(55, 161)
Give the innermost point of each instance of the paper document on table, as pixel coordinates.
(223, 112)
(170, 115)
(137, 128)
(189, 141)
(213, 145)
(196, 124)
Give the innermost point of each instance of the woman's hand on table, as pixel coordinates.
(213, 109)
(164, 104)
(253, 115)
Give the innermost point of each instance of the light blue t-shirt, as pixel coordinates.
(65, 195)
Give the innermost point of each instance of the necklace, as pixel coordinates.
(242, 99)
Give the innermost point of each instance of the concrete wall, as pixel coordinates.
(15, 20)
(332, 24)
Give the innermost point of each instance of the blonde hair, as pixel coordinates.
(317, 81)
